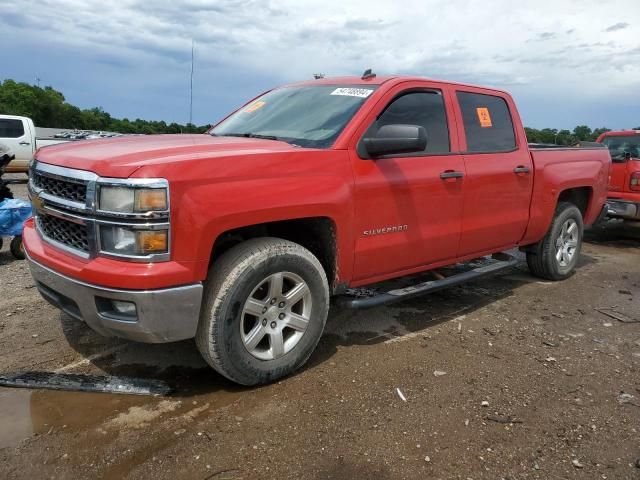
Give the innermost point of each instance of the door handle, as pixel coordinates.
(451, 174)
(521, 169)
(24, 143)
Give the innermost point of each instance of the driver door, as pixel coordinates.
(408, 207)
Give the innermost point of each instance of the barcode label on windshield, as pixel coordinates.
(353, 92)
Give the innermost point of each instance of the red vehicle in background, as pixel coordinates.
(239, 236)
(623, 199)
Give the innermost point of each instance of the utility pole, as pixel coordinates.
(191, 86)
(38, 81)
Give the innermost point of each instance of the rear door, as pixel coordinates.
(499, 171)
(15, 133)
(406, 215)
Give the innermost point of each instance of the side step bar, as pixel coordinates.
(503, 261)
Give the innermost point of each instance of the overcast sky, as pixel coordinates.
(566, 62)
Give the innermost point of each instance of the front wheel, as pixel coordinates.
(556, 255)
(265, 306)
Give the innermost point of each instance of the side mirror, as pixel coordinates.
(627, 155)
(393, 139)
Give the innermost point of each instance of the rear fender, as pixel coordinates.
(552, 180)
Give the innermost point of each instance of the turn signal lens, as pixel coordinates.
(634, 183)
(148, 199)
(152, 241)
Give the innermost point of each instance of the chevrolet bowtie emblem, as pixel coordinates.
(37, 203)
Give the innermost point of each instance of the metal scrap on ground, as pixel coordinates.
(85, 383)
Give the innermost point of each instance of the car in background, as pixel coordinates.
(623, 199)
(19, 135)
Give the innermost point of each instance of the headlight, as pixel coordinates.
(126, 241)
(132, 200)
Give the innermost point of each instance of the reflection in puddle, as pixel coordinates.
(15, 416)
(24, 413)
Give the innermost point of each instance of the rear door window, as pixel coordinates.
(487, 123)
(422, 108)
(10, 128)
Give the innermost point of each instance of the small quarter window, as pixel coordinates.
(487, 123)
(422, 108)
(11, 128)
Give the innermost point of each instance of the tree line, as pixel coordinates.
(48, 108)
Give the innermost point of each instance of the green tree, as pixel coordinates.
(47, 107)
(583, 133)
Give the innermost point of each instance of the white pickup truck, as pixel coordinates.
(19, 135)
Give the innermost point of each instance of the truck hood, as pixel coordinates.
(121, 157)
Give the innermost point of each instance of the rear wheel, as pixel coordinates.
(264, 310)
(556, 255)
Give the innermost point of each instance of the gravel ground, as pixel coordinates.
(508, 377)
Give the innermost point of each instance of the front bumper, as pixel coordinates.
(162, 315)
(623, 209)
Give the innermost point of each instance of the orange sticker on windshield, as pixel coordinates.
(484, 117)
(255, 106)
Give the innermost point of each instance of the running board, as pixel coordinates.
(503, 261)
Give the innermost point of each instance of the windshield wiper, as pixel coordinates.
(249, 135)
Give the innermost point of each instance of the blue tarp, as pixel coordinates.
(13, 213)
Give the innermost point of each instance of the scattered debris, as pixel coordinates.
(549, 344)
(625, 292)
(621, 317)
(402, 397)
(503, 420)
(484, 403)
(428, 459)
(627, 399)
(439, 373)
(577, 464)
(550, 359)
(493, 334)
(85, 383)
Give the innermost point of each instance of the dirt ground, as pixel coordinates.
(509, 377)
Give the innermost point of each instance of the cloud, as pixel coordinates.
(133, 56)
(616, 27)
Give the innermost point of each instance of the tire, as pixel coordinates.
(1, 243)
(16, 247)
(542, 257)
(245, 281)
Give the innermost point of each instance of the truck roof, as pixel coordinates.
(383, 79)
(619, 133)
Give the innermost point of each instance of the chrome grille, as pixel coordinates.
(65, 232)
(67, 189)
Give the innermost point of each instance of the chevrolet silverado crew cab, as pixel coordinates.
(239, 237)
(624, 184)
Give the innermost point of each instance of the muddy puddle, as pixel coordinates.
(26, 413)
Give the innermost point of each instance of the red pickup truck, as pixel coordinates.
(624, 184)
(240, 236)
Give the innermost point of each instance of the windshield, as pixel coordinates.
(619, 145)
(309, 116)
